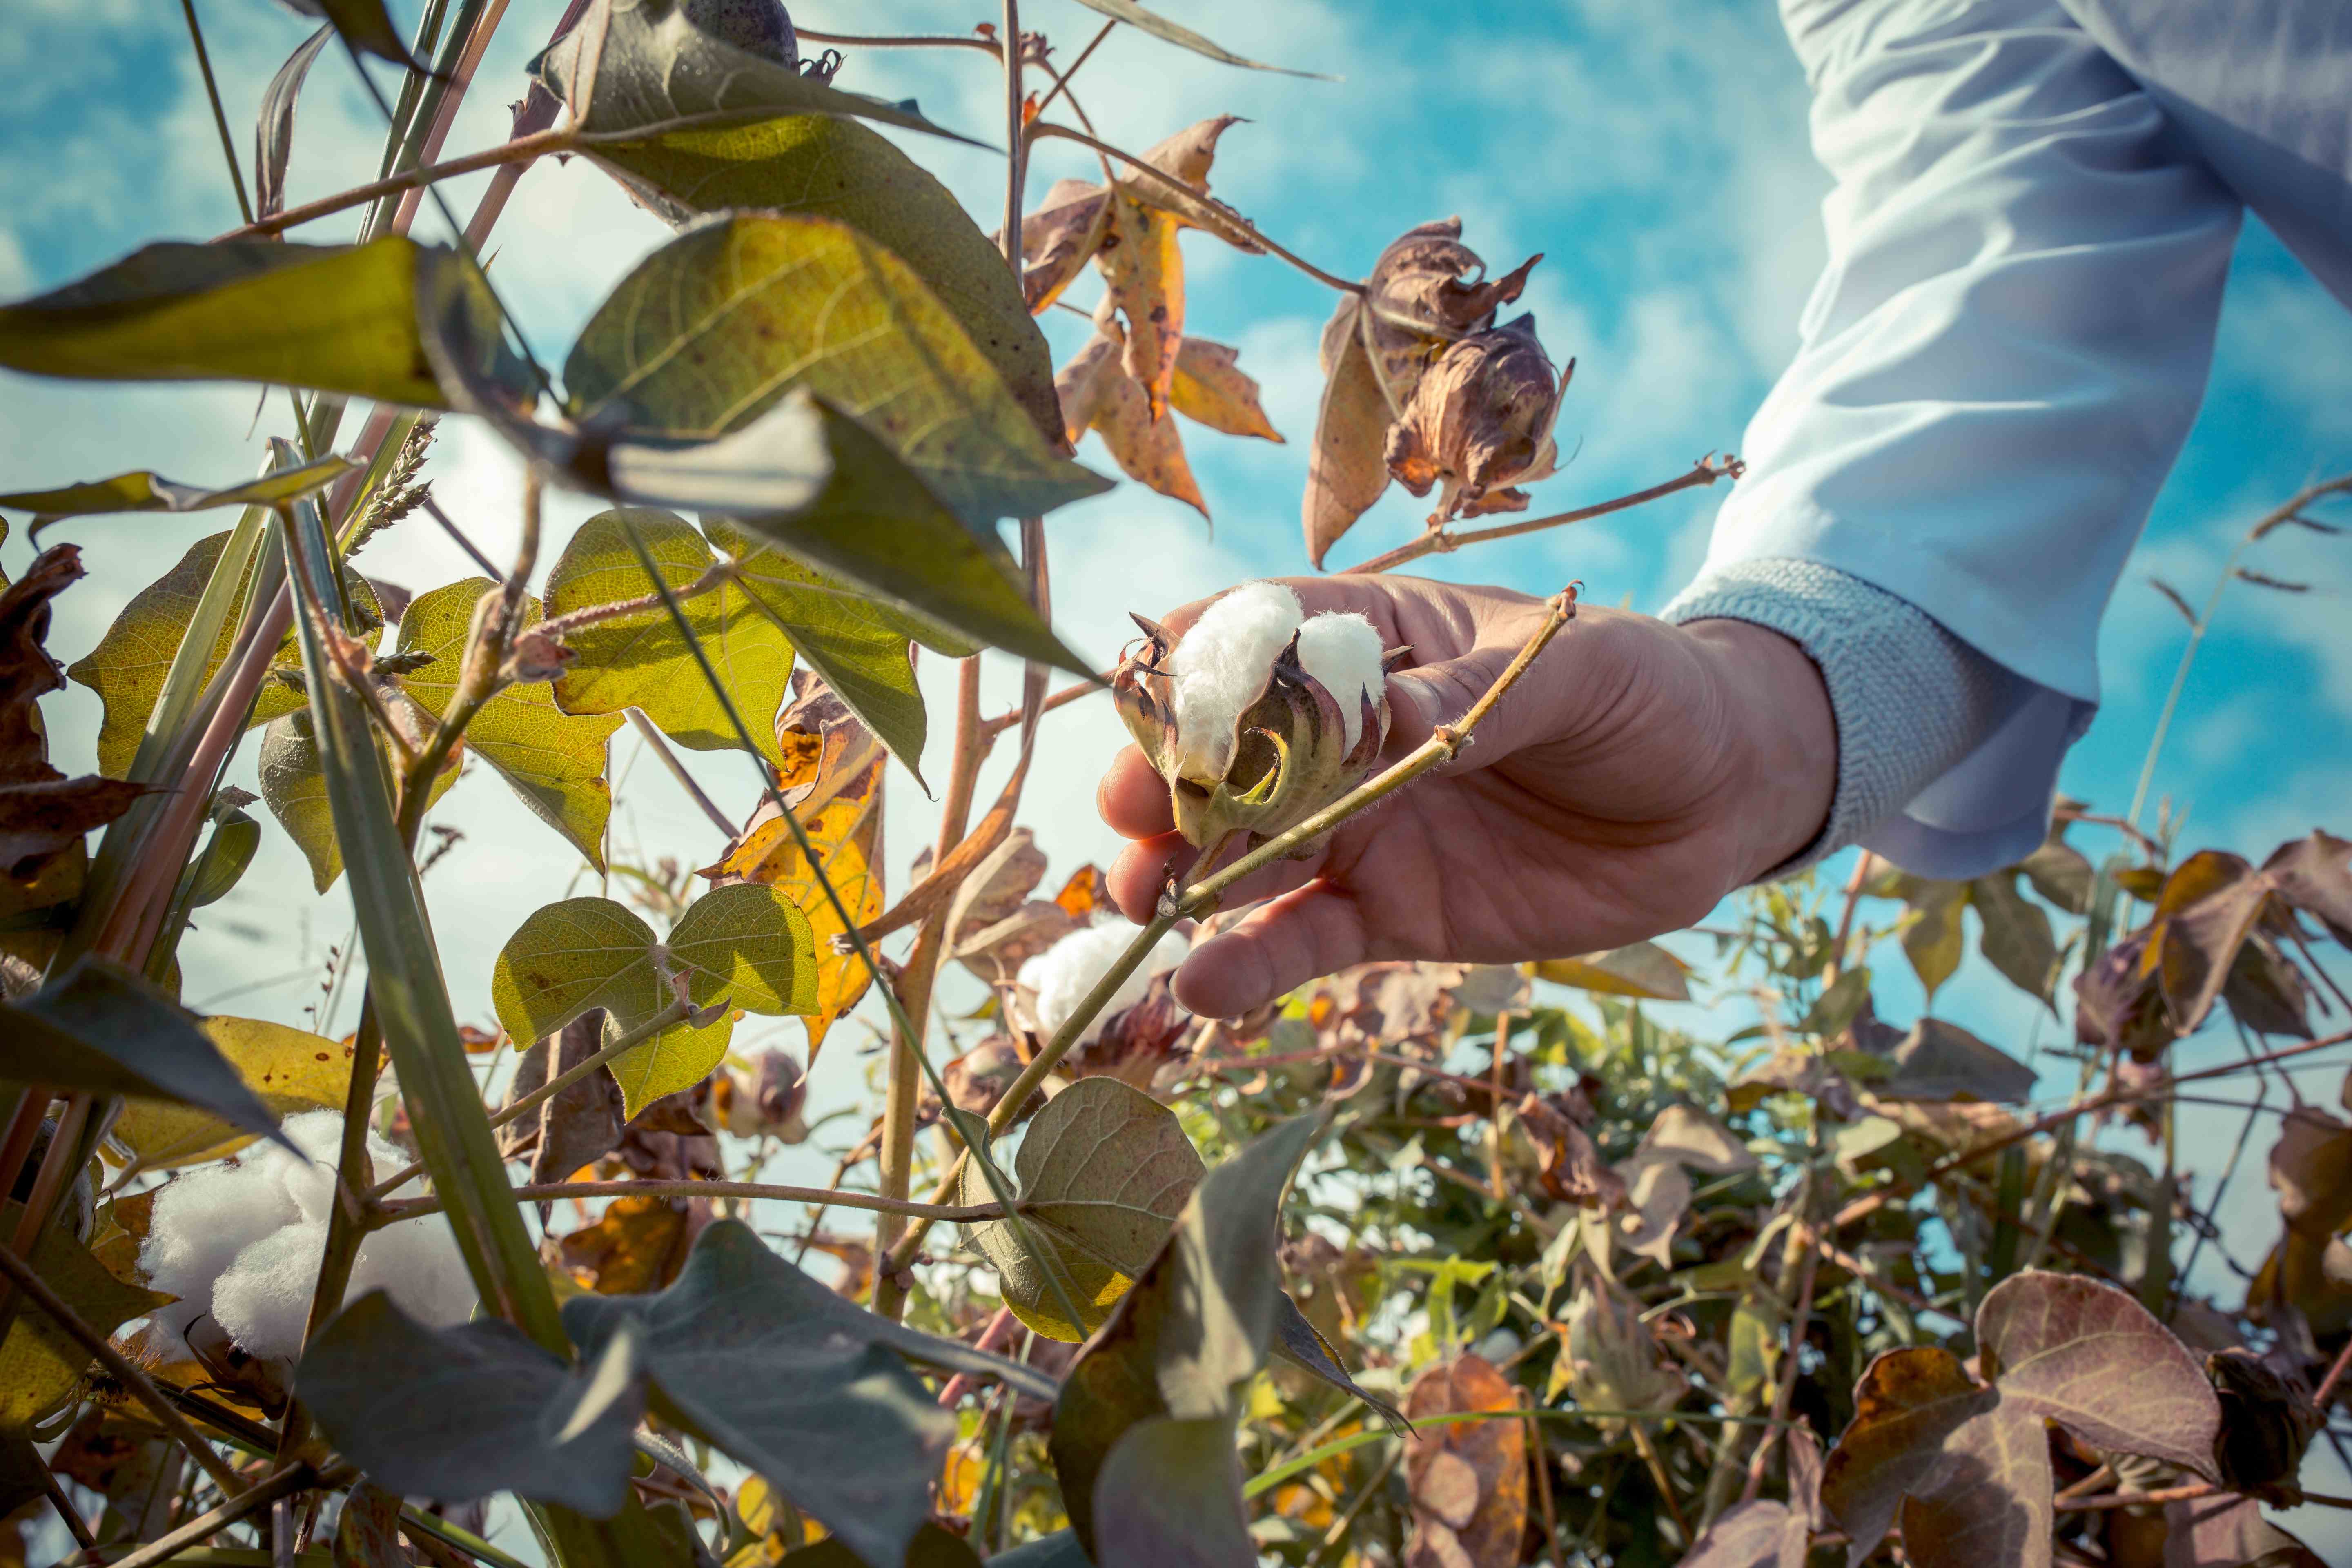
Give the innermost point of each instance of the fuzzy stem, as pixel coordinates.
(165, 1413)
(1241, 224)
(1440, 541)
(522, 150)
(907, 41)
(220, 116)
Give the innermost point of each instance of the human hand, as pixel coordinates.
(1635, 773)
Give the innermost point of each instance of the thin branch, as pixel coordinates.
(1240, 224)
(220, 116)
(119, 1367)
(1780, 1397)
(660, 745)
(433, 508)
(1062, 79)
(906, 41)
(544, 1192)
(285, 1483)
(1440, 541)
(563, 625)
(992, 727)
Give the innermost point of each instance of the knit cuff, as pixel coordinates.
(1910, 698)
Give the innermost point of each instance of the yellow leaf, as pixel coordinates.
(1144, 440)
(1145, 274)
(39, 1365)
(1212, 389)
(291, 1069)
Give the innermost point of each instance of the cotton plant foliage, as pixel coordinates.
(239, 1242)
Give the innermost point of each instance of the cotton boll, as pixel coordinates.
(263, 1303)
(318, 1134)
(1342, 652)
(201, 1221)
(418, 1263)
(1064, 974)
(1221, 665)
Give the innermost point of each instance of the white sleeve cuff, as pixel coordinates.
(1947, 761)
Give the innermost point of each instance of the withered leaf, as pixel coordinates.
(1658, 1189)
(1347, 469)
(1967, 1466)
(1142, 438)
(1212, 389)
(1057, 238)
(2268, 1420)
(2312, 875)
(1468, 1480)
(2016, 938)
(1611, 1360)
(1084, 382)
(2230, 1532)
(1420, 303)
(43, 814)
(2311, 1171)
(1145, 274)
(1940, 1060)
(581, 1125)
(1571, 1168)
(1479, 421)
(1759, 1534)
(639, 1245)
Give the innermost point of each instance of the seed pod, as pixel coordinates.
(1290, 752)
(1479, 421)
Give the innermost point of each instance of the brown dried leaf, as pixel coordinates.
(977, 1079)
(1346, 469)
(763, 1097)
(996, 953)
(2116, 1003)
(1420, 304)
(2230, 1532)
(2268, 1420)
(1486, 1534)
(1057, 238)
(1145, 274)
(1938, 1060)
(1967, 1467)
(1479, 420)
(582, 1123)
(639, 1245)
(2061, 873)
(1143, 440)
(1212, 389)
(1136, 1042)
(2265, 990)
(1793, 1069)
(1759, 1534)
(1571, 1168)
(2311, 1171)
(2016, 938)
(43, 814)
(1658, 1189)
(2311, 874)
(2210, 906)
(1087, 892)
(998, 885)
(1084, 382)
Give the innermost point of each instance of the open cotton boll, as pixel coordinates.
(418, 1263)
(1342, 652)
(201, 1221)
(318, 1134)
(263, 1301)
(1065, 972)
(1221, 666)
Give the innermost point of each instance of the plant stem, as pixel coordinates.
(1807, 1270)
(907, 41)
(220, 116)
(2276, 518)
(1062, 78)
(166, 1414)
(78, 1527)
(1441, 542)
(1225, 214)
(660, 745)
(522, 150)
(544, 1192)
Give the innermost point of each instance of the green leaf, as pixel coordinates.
(294, 788)
(339, 318)
(273, 130)
(1838, 1005)
(857, 645)
(628, 69)
(235, 837)
(101, 1029)
(877, 526)
(1933, 940)
(801, 1386)
(461, 1413)
(711, 329)
(553, 761)
(745, 943)
(145, 491)
(1143, 1433)
(641, 659)
(1102, 1172)
(40, 1365)
(838, 169)
(364, 25)
(1160, 26)
(288, 1069)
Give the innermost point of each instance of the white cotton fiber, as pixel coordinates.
(240, 1241)
(263, 1301)
(418, 1263)
(1065, 972)
(1342, 652)
(1219, 667)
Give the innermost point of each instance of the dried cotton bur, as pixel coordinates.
(1139, 364)
(1260, 716)
(1423, 387)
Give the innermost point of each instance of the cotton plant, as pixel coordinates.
(1059, 979)
(1260, 714)
(239, 1242)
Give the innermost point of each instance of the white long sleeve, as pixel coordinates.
(1997, 369)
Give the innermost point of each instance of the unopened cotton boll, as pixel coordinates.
(1220, 667)
(1342, 652)
(1065, 972)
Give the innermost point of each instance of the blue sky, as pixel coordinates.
(1654, 152)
